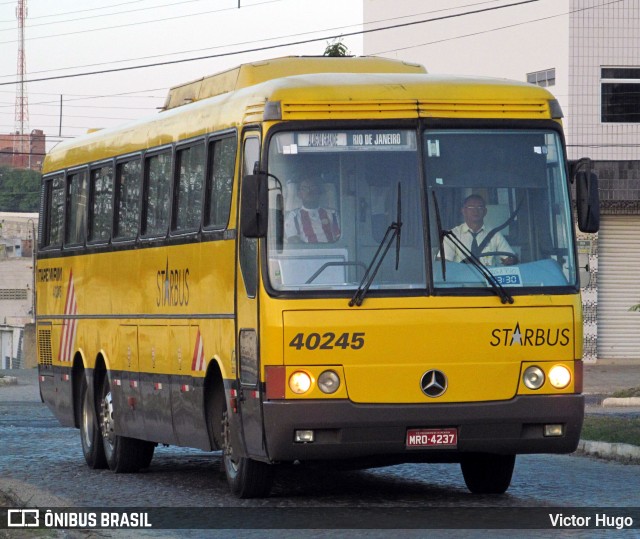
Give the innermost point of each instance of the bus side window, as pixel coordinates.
(222, 160)
(53, 218)
(101, 205)
(128, 178)
(190, 182)
(157, 199)
(76, 207)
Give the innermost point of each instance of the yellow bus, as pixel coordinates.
(279, 265)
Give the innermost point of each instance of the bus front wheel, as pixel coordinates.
(486, 473)
(89, 431)
(123, 455)
(247, 478)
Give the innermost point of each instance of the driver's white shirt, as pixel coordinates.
(463, 233)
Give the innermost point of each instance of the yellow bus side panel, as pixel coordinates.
(181, 298)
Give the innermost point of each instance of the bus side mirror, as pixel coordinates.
(587, 202)
(254, 202)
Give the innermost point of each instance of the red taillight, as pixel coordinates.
(275, 379)
(578, 373)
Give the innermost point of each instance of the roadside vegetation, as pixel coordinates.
(621, 430)
(625, 393)
(19, 190)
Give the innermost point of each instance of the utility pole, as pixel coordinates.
(21, 146)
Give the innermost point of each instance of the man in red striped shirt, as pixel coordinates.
(311, 223)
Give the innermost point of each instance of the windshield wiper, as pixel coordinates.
(500, 291)
(392, 232)
(440, 236)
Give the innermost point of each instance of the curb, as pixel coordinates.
(13, 381)
(621, 452)
(618, 402)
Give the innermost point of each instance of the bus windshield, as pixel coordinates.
(337, 193)
(501, 197)
(497, 196)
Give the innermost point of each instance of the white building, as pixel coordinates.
(17, 300)
(588, 53)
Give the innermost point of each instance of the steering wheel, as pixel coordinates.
(500, 254)
(497, 253)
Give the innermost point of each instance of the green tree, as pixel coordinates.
(336, 48)
(19, 190)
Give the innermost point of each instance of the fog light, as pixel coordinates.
(300, 382)
(533, 377)
(328, 382)
(559, 376)
(554, 430)
(304, 436)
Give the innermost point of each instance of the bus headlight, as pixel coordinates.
(533, 377)
(559, 376)
(299, 382)
(328, 382)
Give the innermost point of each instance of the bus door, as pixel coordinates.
(249, 402)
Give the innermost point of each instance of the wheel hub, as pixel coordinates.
(106, 416)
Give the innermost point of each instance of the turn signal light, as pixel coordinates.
(533, 377)
(328, 382)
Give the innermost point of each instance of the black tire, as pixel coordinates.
(90, 435)
(123, 455)
(216, 407)
(247, 478)
(486, 473)
(146, 454)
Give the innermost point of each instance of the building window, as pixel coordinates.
(546, 77)
(13, 294)
(620, 88)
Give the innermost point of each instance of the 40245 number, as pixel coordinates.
(328, 341)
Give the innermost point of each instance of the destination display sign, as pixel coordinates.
(351, 141)
(507, 276)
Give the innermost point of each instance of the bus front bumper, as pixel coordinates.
(345, 430)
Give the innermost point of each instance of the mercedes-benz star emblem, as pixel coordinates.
(433, 383)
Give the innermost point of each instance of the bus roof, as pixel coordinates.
(254, 73)
(349, 94)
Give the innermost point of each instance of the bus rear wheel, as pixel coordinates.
(92, 448)
(486, 473)
(122, 454)
(247, 478)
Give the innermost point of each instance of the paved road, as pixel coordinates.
(42, 465)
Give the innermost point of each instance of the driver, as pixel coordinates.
(472, 233)
(311, 223)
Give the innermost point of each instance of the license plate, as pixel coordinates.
(432, 437)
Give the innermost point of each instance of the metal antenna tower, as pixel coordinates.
(21, 141)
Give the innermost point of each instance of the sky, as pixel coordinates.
(67, 37)
(64, 37)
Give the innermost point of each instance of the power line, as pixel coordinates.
(79, 10)
(171, 4)
(337, 28)
(269, 47)
(498, 28)
(139, 22)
